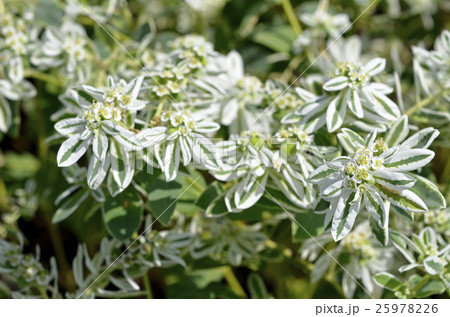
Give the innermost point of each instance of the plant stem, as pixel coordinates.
(43, 292)
(425, 102)
(65, 272)
(148, 288)
(233, 282)
(44, 77)
(422, 282)
(289, 71)
(290, 14)
(159, 110)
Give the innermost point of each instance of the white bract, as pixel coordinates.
(64, 46)
(362, 257)
(103, 122)
(260, 164)
(373, 176)
(322, 21)
(184, 140)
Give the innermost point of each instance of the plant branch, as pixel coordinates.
(290, 14)
(425, 102)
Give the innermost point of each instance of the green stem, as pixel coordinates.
(160, 109)
(290, 14)
(43, 292)
(147, 286)
(44, 77)
(418, 106)
(422, 282)
(292, 66)
(65, 269)
(233, 282)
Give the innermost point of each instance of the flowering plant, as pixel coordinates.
(148, 148)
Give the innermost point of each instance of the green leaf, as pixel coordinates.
(434, 265)
(381, 234)
(70, 205)
(432, 287)
(162, 197)
(279, 38)
(312, 224)
(217, 207)
(388, 281)
(49, 12)
(428, 192)
(256, 287)
(210, 193)
(123, 214)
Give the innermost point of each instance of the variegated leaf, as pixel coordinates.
(100, 144)
(320, 174)
(345, 214)
(122, 167)
(375, 66)
(171, 160)
(420, 140)
(97, 171)
(354, 103)
(398, 132)
(336, 84)
(409, 160)
(405, 199)
(5, 114)
(70, 126)
(336, 112)
(250, 191)
(393, 180)
(71, 151)
(349, 140)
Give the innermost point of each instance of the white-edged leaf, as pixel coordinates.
(100, 144)
(398, 132)
(336, 112)
(5, 115)
(420, 140)
(335, 84)
(389, 281)
(206, 127)
(171, 160)
(70, 126)
(97, 171)
(350, 140)
(376, 207)
(434, 265)
(71, 151)
(393, 180)
(409, 160)
(405, 199)
(70, 205)
(428, 192)
(375, 66)
(250, 191)
(121, 166)
(320, 174)
(344, 216)
(354, 103)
